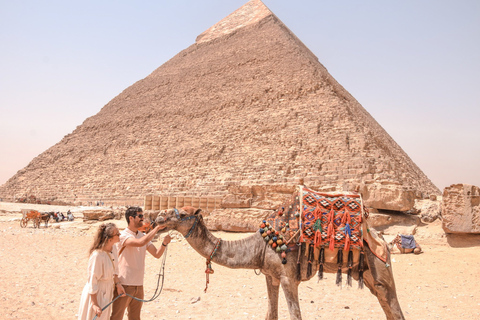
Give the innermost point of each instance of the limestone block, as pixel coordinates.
(98, 214)
(119, 213)
(428, 210)
(461, 209)
(387, 196)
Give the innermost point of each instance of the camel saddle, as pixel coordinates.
(333, 221)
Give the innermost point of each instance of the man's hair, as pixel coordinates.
(132, 212)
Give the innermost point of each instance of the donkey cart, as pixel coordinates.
(35, 216)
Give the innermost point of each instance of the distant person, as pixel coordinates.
(132, 249)
(102, 274)
(70, 216)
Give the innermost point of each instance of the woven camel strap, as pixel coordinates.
(209, 269)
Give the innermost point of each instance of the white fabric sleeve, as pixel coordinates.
(95, 272)
(123, 237)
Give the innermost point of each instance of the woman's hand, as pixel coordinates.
(97, 310)
(120, 289)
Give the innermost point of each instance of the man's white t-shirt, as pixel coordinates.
(131, 260)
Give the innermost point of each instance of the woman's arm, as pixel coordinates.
(96, 308)
(118, 285)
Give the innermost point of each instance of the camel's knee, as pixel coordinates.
(275, 282)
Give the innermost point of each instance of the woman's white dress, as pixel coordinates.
(102, 267)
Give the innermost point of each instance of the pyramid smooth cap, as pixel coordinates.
(250, 13)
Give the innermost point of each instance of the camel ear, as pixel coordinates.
(197, 211)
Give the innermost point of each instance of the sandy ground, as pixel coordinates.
(43, 272)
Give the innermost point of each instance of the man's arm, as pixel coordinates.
(134, 242)
(157, 253)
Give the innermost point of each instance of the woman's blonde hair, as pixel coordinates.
(105, 231)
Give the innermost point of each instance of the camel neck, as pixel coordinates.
(244, 253)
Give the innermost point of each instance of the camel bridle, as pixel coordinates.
(177, 214)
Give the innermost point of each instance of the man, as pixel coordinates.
(70, 216)
(132, 249)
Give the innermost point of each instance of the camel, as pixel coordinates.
(253, 253)
(395, 246)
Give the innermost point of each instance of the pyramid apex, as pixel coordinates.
(250, 13)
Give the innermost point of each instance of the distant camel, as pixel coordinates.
(404, 244)
(252, 253)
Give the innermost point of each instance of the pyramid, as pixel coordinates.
(246, 112)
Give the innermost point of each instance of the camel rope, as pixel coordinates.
(209, 269)
(156, 294)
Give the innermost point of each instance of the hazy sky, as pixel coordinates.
(414, 65)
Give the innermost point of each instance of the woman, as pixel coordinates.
(102, 274)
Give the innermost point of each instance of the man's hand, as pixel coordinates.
(161, 227)
(167, 239)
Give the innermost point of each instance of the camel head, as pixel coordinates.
(183, 220)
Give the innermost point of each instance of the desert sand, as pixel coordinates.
(43, 272)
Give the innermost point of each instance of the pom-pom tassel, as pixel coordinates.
(317, 240)
(331, 230)
(310, 258)
(321, 261)
(347, 243)
(338, 282)
(332, 243)
(350, 265)
(360, 270)
(348, 235)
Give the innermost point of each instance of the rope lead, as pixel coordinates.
(156, 294)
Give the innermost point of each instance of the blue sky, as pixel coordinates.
(414, 65)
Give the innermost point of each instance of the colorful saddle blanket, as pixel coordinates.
(321, 219)
(332, 220)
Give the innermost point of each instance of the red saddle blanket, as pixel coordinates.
(335, 221)
(332, 220)
(321, 219)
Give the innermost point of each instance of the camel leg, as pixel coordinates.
(379, 279)
(290, 289)
(273, 286)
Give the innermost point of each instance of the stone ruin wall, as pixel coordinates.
(461, 209)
